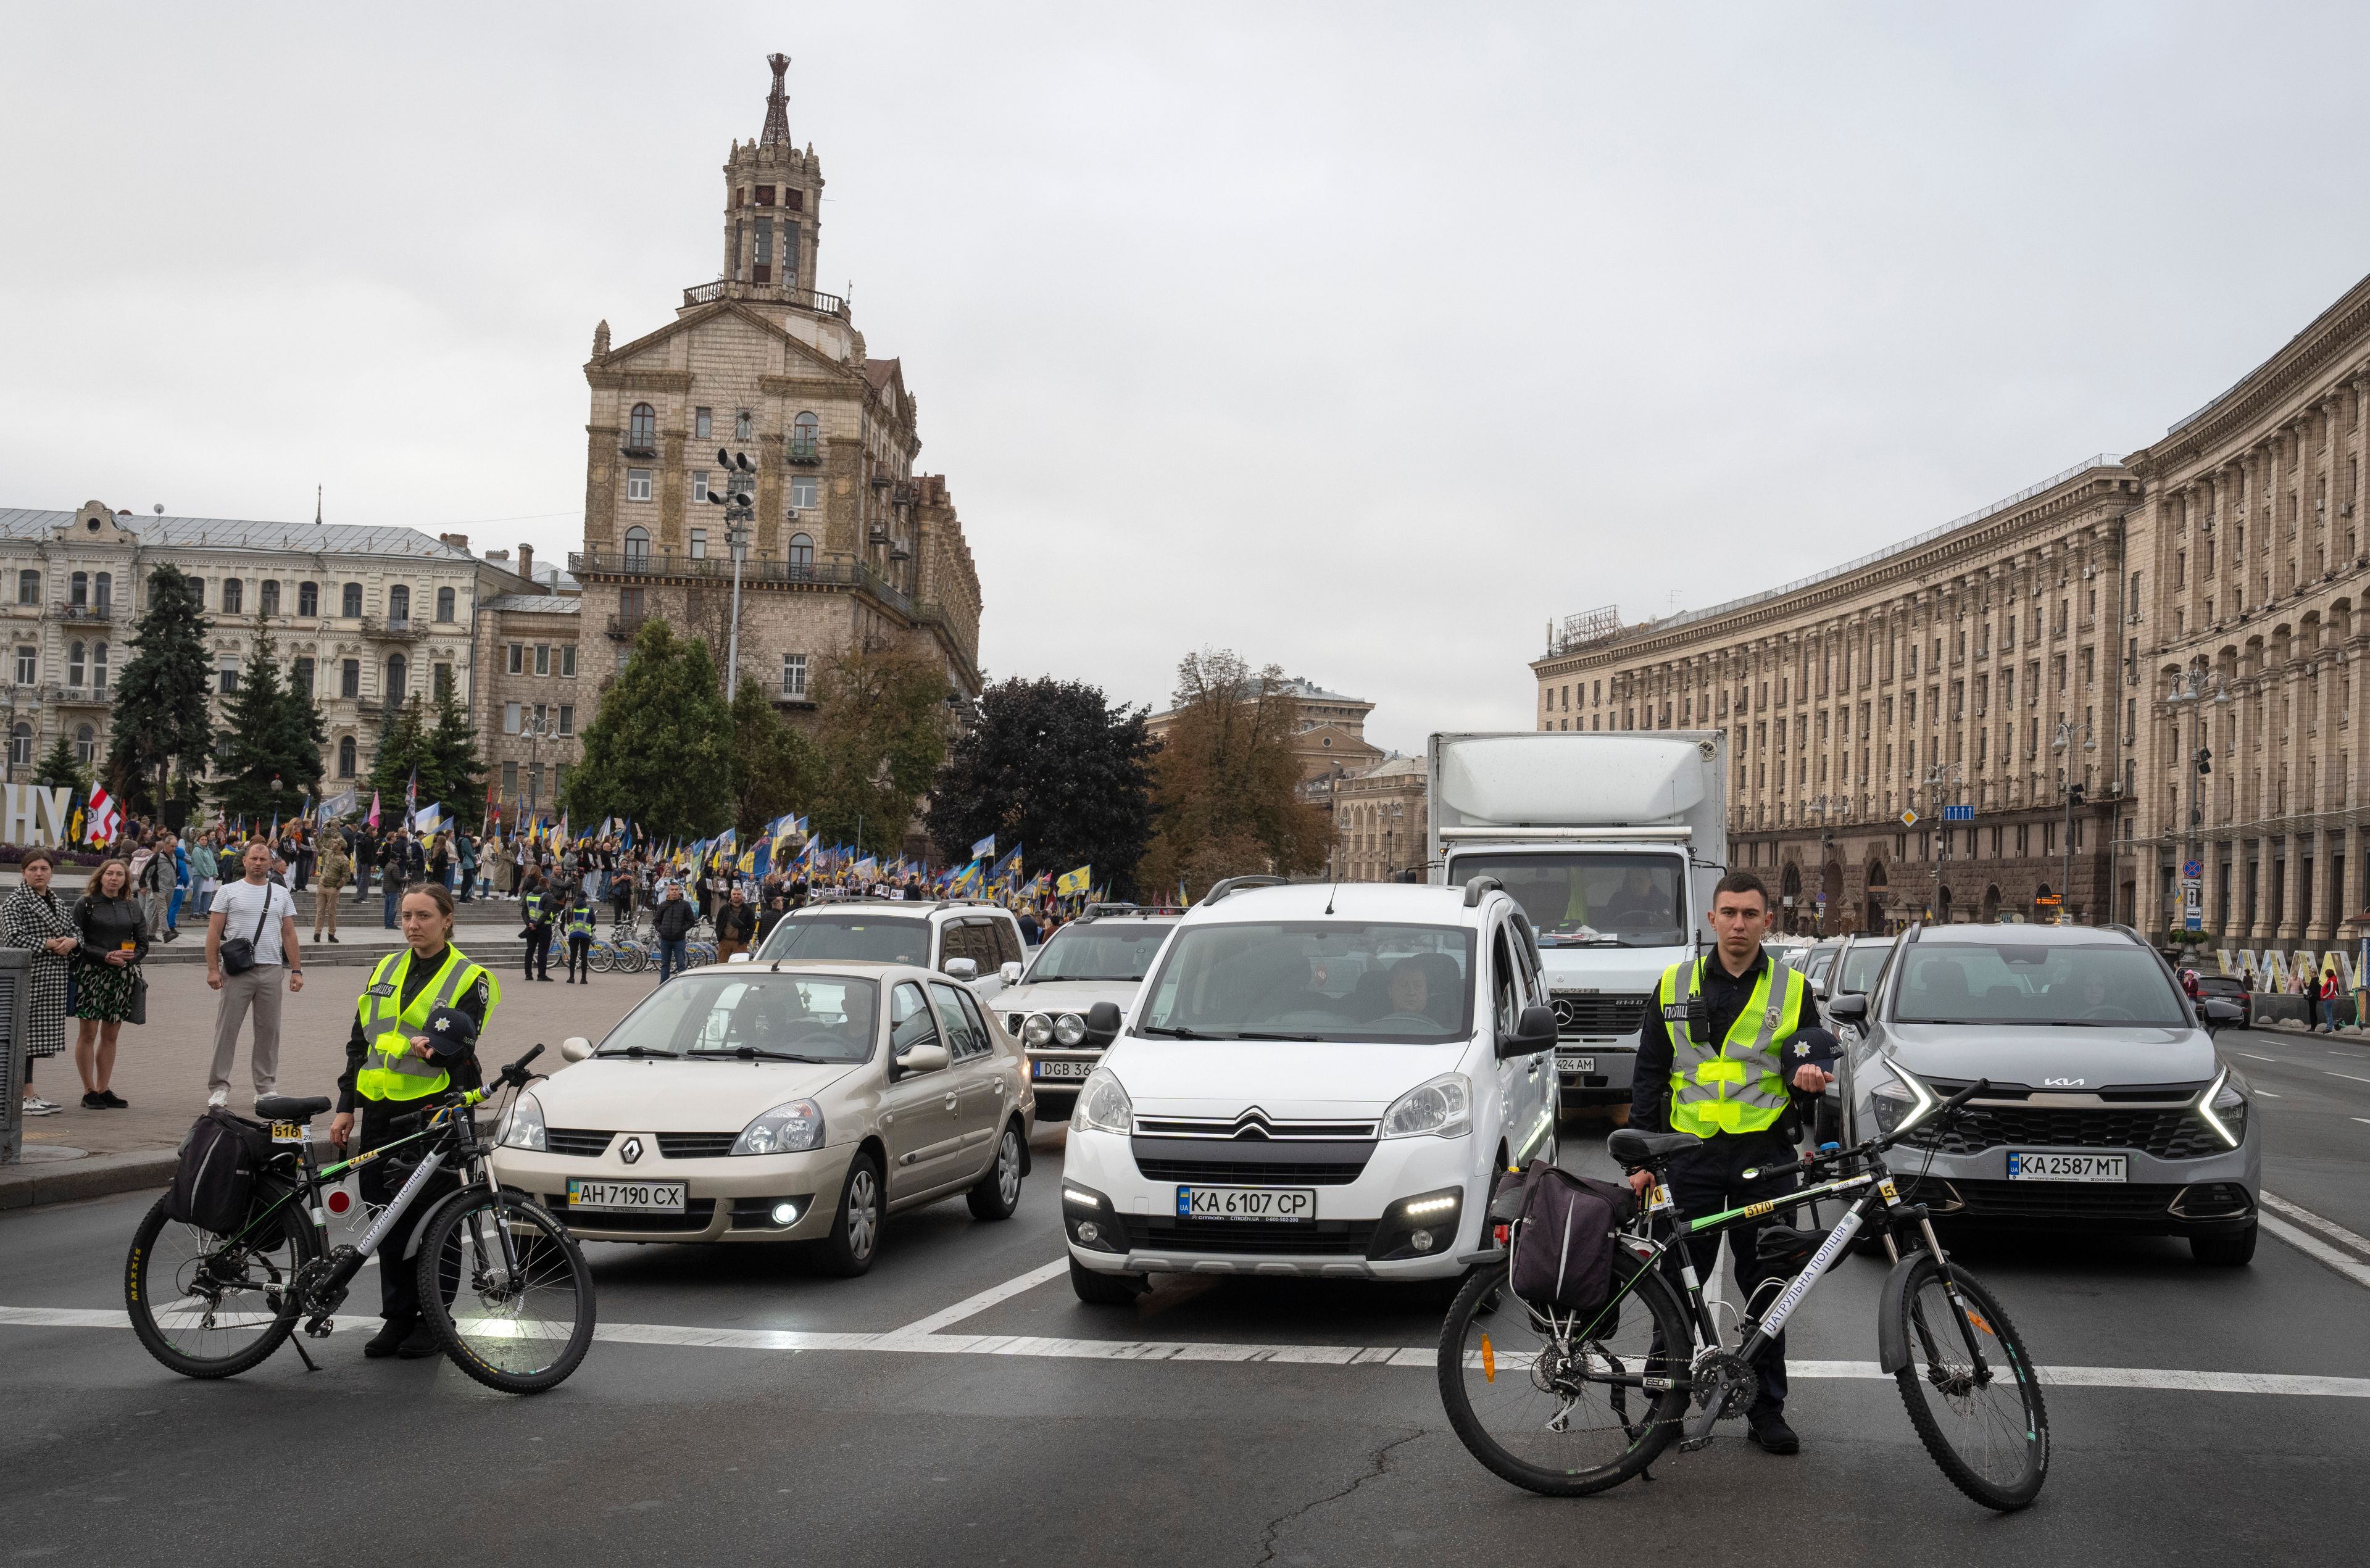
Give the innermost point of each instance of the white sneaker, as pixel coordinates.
(34, 1108)
(218, 1100)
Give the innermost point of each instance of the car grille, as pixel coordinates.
(697, 1214)
(1316, 1163)
(697, 1145)
(1326, 1237)
(580, 1141)
(2102, 1201)
(1599, 1014)
(2165, 1134)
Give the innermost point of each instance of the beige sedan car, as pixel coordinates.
(779, 1103)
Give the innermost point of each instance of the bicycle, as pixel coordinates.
(1544, 1399)
(214, 1306)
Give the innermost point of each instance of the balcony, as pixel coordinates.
(622, 628)
(80, 697)
(807, 452)
(99, 613)
(766, 294)
(759, 572)
(395, 629)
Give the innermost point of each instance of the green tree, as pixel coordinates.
(660, 750)
(881, 733)
(272, 734)
(403, 749)
(1226, 792)
(774, 766)
(58, 767)
(1053, 767)
(459, 772)
(161, 716)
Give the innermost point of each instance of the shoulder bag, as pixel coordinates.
(239, 952)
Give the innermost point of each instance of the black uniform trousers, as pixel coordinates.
(580, 957)
(538, 951)
(1711, 1178)
(399, 1276)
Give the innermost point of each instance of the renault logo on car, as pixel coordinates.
(630, 1150)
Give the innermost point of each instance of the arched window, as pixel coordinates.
(351, 602)
(78, 588)
(28, 588)
(86, 745)
(443, 604)
(643, 432)
(98, 667)
(308, 599)
(267, 597)
(637, 544)
(103, 590)
(74, 665)
(20, 744)
(806, 439)
(801, 552)
(234, 596)
(346, 757)
(398, 604)
(397, 674)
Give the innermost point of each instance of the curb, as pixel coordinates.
(95, 1176)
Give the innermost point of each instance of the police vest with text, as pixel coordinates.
(389, 1071)
(1738, 1084)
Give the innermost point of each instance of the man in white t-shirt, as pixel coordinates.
(257, 909)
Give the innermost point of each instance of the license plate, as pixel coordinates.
(1247, 1203)
(645, 1198)
(1065, 1068)
(1577, 1064)
(2023, 1167)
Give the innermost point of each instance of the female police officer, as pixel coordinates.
(394, 1059)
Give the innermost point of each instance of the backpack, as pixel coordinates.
(1562, 1248)
(214, 1183)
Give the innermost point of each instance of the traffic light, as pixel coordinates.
(2204, 760)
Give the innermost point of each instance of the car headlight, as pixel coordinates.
(1440, 1108)
(1039, 1030)
(2224, 1108)
(784, 1129)
(1069, 1029)
(1103, 1106)
(522, 1126)
(1902, 1101)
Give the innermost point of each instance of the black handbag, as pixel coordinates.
(137, 1014)
(237, 953)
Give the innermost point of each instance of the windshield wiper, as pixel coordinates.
(638, 1051)
(751, 1053)
(1254, 1035)
(1175, 1033)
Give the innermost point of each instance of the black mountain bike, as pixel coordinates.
(502, 1282)
(1567, 1404)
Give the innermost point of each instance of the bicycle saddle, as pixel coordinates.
(1631, 1148)
(291, 1107)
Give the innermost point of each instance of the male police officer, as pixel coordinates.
(1713, 1061)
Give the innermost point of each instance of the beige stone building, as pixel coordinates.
(2045, 640)
(848, 547)
(1378, 820)
(1328, 734)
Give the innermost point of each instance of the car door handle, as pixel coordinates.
(999, 1086)
(950, 1101)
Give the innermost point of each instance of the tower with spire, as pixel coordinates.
(773, 203)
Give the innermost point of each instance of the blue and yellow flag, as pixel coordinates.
(1071, 882)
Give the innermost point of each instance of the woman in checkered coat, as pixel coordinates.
(32, 917)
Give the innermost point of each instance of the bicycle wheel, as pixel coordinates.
(210, 1307)
(1988, 1431)
(640, 957)
(519, 1321)
(599, 957)
(1529, 1398)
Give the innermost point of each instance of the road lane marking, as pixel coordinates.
(2355, 1076)
(2314, 1247)
(2327, 1227)
(971, 1306)
(2258, 1056)
(2269, 1095)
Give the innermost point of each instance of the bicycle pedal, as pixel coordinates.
(320, 1328)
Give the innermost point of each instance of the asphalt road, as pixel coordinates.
(1008, 1422)
(2313, 1093)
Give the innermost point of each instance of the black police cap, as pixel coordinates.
(451, 1032)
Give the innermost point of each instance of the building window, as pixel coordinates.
(806, 439)
(638, 546)
(24, 665)
(543, 659)
(802, 493)
(346, 757)
(444, 600)
(801, 552)
(567, 718)
(740, 425)
(350, 601)
(398, 606)
(699, 486)
(20, 744)
(518, 659)
(99, 668)
(765, 196)
(643, 429)
(78, 588)
(702, 424)
(28, 588)
(74, 664)
(760, 264)
(558, 780)
(794, 675)
(234, 596)
(301, 676)
(509, 719)
(442, 676)
(308, 599)
(267, 597)
(631, 607)
(509, 781)
(86, 745)
(789, 253)
(637, 483)
(699, 545)
(349, 678)
(568, 660)
(226, 673)
(398, 675)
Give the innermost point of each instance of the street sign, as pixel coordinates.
(2192, 870)
(2193, 902)
(1958, 814)
(1909, 818)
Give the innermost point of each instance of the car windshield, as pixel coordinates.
(1591, 900)
(1860, 966)
(2088, 984)
(1314, 980)
(1098, 951)
(804, 1017)
(851, 936)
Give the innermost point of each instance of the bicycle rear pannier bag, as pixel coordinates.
(214, 1182)
(1562, 1250)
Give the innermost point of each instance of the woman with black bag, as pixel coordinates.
(107, 984)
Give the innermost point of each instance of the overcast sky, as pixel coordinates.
(1363, 339)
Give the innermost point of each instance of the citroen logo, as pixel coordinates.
(630, 1150)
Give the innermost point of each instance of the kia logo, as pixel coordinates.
(630, 1150)
(2062, 1083)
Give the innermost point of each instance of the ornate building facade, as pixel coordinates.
(848, 547)
(1904, 728)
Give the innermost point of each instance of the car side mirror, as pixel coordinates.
(739, 958)
(924, 1059)
(1847, 1009)
(1534, 1032)
(2218, 1012)
(576, 1047)
(1102, 1024)
(961, 968)
(1010, 974)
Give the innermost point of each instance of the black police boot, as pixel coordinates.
(1769, 1432)
(390, 1339)
(421, 1342)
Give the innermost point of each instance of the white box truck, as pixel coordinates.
(1613, 843)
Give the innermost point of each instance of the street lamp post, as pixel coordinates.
(2066, 731)
(2192, 688)
(739, 511)
(1938, 775)
(537, 728)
